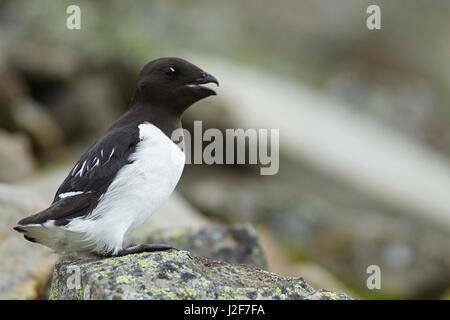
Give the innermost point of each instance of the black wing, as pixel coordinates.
(90, 177)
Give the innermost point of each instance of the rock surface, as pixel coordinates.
(174, 275)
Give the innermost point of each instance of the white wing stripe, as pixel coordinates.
(112, 152)
(80, 172)
(96, 163)
(74, 169)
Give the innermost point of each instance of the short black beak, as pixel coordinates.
(206, 78)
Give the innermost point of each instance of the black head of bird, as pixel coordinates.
(173, 83)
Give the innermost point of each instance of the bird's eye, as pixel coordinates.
(170, 71)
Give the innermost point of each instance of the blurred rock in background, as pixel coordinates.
(60, 89)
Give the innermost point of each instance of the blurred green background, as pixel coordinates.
(364, 119)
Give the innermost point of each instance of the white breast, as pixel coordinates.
(138, 190)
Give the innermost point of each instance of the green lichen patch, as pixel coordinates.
(161, 294)
(111, 261)
(188, 292)
(332, 295)
(230, 293)
(79, 294)
(204, 282)
(172, 253)
(105, 273)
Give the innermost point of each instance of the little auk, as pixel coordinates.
(128, 173)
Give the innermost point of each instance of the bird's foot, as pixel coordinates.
(144, 248)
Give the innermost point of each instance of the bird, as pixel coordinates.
(127, 173)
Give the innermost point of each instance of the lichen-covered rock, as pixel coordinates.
(174, 275)
(236, 244)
